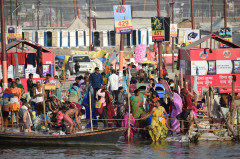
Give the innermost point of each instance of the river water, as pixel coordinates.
(135, 149)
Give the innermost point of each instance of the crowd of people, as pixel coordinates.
(151, 115)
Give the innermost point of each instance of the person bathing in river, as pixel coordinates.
(158, 129)
(76, 114)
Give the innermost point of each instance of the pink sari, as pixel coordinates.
(175, 124)
(125, 124)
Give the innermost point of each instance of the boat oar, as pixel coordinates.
(129, 127)
(90, 107)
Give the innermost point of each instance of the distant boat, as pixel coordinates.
(97, 137)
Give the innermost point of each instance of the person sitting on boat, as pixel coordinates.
(74, 93)
(60, 121)
(76, 114)
(38, 96)
(25, 121)
(54, 105)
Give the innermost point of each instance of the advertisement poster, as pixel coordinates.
(21, 71)
(123, 18)
(14, 32)
(173, 30)
(46, 70)
(158, 33)
(192, 36)
(224, 66)
(200, 66)
(225, 33)
(211, 67)
(236, 66)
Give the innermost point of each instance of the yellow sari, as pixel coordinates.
(158, 128)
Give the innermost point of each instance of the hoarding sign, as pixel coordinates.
(225, 33)
(158, 33)
(173, 30)
(14, 32)
(123, 18)
(236, 66)
(192, 36)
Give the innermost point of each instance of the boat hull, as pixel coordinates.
(101, 137)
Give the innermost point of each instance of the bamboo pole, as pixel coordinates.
(129, 111)
(90, 108)
(181, 72)
(44, 106)
(1, 119)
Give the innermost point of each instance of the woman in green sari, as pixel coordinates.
(137, 104)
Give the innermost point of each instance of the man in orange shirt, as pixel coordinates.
(15, 101)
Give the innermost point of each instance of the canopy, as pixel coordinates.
(60, 57)
(149, 62)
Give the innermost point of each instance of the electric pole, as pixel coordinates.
(192, 14)
(173, 47)
(38, 3)
(17, 12)
(4, 56)
(159, 44)
(89, 23)
(225, 13)
(121, 52)
(11, 12)
(61, 13)
(50, 16)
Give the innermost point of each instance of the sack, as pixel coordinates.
(99, 104)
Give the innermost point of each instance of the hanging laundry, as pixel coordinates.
(9, 59)
(21, 58)
(15, 67)
(39, 61)
(31, 59)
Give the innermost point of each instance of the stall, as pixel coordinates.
(21, 62)
(212, 66)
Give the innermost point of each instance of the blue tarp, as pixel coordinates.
(102, 59)
(60, 57)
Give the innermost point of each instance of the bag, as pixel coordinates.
(99, 104)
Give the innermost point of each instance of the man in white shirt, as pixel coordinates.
(113, 82)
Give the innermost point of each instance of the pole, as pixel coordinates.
(61, 12)
(211, 22)
(77, 7)
(225, 13)
(4, 56)
(121, 53)
(50, 16)
(159, 44)
(11, 12)
(167, 8)
(129, 110)
(202, 11)
(173, 47)
(90, 108)
(44, 106)
(16, 12)
(38, 14)
(75, 10)
(192, 14)
(56, 16)
(144, 8)
(89, 23)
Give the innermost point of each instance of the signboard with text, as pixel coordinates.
(173, 30)
(123, 18)
(158, 33)
(225, 33)
(14, 33)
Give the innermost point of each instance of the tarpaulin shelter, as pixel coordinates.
(212, 66)
(22, 62)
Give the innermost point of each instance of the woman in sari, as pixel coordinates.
(137, 104)
(158, 129)
(176, 109)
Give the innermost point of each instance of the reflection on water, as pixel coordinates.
(135, 149)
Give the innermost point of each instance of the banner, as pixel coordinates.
(14, 32)
(173, 30)
(225, 33)
(192, 36)
(211, 67)
(158, 33)
(236, 66)
(123, 18)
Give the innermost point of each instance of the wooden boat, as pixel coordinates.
(96, 137)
